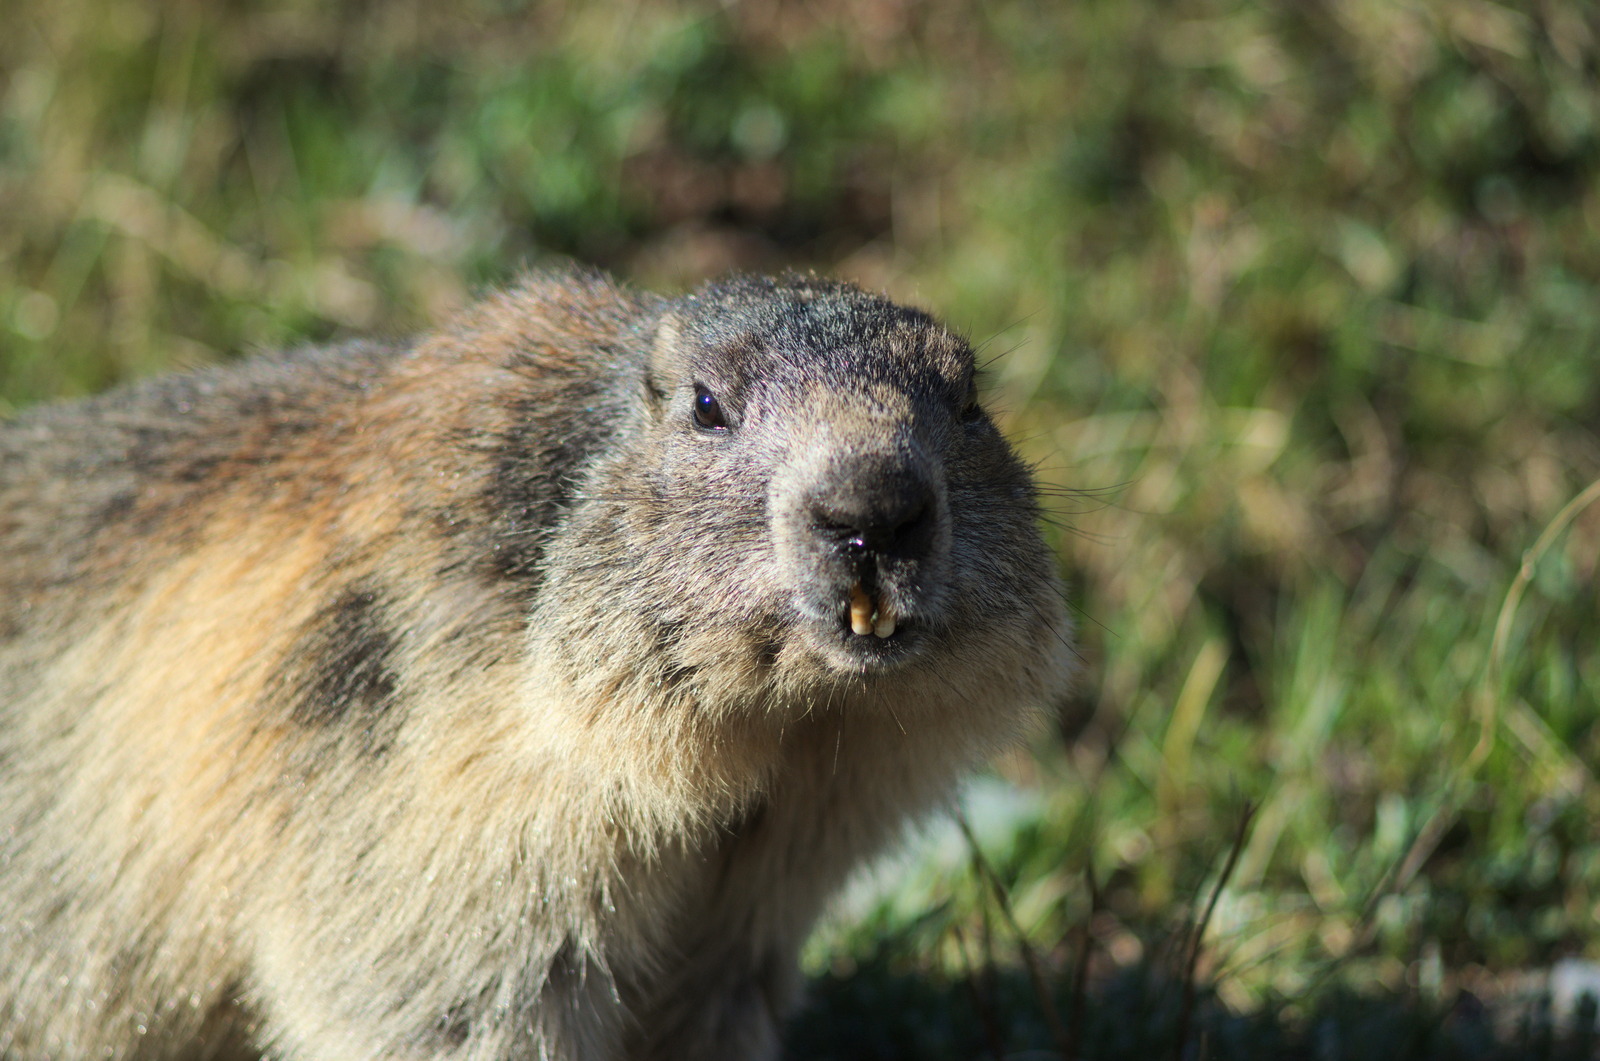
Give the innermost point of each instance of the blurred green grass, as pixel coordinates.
(1297, 305)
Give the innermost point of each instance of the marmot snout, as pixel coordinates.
(520, 691)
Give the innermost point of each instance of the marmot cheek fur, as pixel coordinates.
(518, 692)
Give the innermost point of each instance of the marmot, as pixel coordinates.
(520, 691)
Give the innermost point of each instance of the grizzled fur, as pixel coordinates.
(494, 695)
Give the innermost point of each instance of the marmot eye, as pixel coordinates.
(971, 411)
(707, 412)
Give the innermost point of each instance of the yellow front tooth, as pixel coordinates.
(884, 624)
(860, 611)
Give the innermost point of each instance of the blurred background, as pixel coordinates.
(1295, 303)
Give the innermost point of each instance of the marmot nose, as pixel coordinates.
(886, 511)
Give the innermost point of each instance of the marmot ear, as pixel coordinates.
(666, 359)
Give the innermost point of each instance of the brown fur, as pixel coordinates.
(465, 699)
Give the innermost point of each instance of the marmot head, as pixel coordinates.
(810, 502)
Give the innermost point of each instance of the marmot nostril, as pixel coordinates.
(887, 514)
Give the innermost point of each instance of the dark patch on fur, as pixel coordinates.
(568, 993)
(536, 466)
(454, 1027)
(768, 648)
(749, 821)
(672, 674)
(738, 831)
(342, 670)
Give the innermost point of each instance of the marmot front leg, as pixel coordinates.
(560, 1006)
(728, 1010)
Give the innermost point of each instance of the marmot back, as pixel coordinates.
(522, 691)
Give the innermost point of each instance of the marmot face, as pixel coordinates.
(829, 507)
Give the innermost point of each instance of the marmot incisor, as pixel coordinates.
(517, 692)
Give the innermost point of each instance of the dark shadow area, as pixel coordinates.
(883, 1012)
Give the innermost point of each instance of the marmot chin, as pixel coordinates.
(520, 691)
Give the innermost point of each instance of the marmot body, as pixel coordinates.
(519, 692)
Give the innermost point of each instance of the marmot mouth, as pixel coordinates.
(869, 616)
